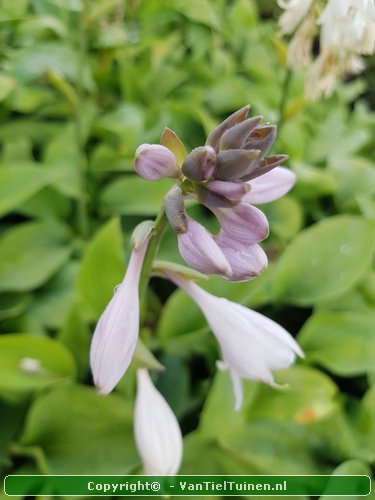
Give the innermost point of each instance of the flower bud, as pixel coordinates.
(221, 193)
(235, 137)
(153, 161)
(262, 138)
(199, 165)
(233, 164)
(262, 167)
(175, 209)
(199, 250)
(239, 116)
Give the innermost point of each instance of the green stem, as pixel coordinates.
(82, 212)
(153, 247)
(284, 98)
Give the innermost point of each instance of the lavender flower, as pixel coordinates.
(153, 161)
(157, 433)
(116, 332)
(251, 344)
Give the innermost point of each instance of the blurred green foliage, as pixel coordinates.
(82, 84)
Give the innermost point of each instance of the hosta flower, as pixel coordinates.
(349, 24)
(252, 345)
(295, 11)
(116, 332)
(226, 175)
(157, 433)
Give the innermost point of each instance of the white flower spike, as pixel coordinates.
(116, 332)
(157, 433)
(252, 345)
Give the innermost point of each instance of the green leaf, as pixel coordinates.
(19, 182)
(7, 85)
(350, 467)
(30, 362)
(143, 358)
(201, 11)
(308, 396)
(285, 217)
(80, 432)
(344, 343)
(102, 267)
(76, 336)
(31, 253)
(324, 260)
(13, 304)
(132, 195)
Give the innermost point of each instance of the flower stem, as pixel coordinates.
(284, 98)
(82, 215)
(157, 233)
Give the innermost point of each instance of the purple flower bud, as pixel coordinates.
(236, 137)
(243, 223)
(153, 161)
(262, 138)
(233, 164)
(263, 166)
(246, 261)
(214, 138)
(199, 165)
(175, 209)
(199, 250)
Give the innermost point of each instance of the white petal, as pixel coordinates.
(157, 433)
(116, 333)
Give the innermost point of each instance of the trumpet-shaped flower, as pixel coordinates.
(157, 433)
(116, 332)
(252, 345)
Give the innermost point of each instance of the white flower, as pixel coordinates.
(299, 49)
(116, 333)
(157, 433)
(295, 11)
(252, 345)
(323, 75)
(349, 25)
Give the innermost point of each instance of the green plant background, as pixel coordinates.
(82, 84)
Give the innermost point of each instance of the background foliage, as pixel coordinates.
(82, 84)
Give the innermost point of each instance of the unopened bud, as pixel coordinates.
(263, 166)
(232, 164)
(239, 116)
(236, 137)
(141, 233)
(153, 161)
(200, 164)
(175, 209)
(262, 138)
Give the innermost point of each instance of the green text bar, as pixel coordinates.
(187, 485)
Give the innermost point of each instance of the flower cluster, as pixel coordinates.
(227, 175)
(347, 32)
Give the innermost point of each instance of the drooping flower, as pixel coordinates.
(295, 11)
(116, 332)
(157, 433)
(252, 345)
(349, 25)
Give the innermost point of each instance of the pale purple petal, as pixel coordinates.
(270, 186)
(243, 223)
(116, 332)
(157, 433)
(199, 250)
(246, 261)
(251, 344)
(230, 190)
(153, 161)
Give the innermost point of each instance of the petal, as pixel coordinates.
(153, 161)
(237, 389)
(157, 433)
(270, 186)
(199, 250)
(242, 223)
(246, 261)
(116, 333)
